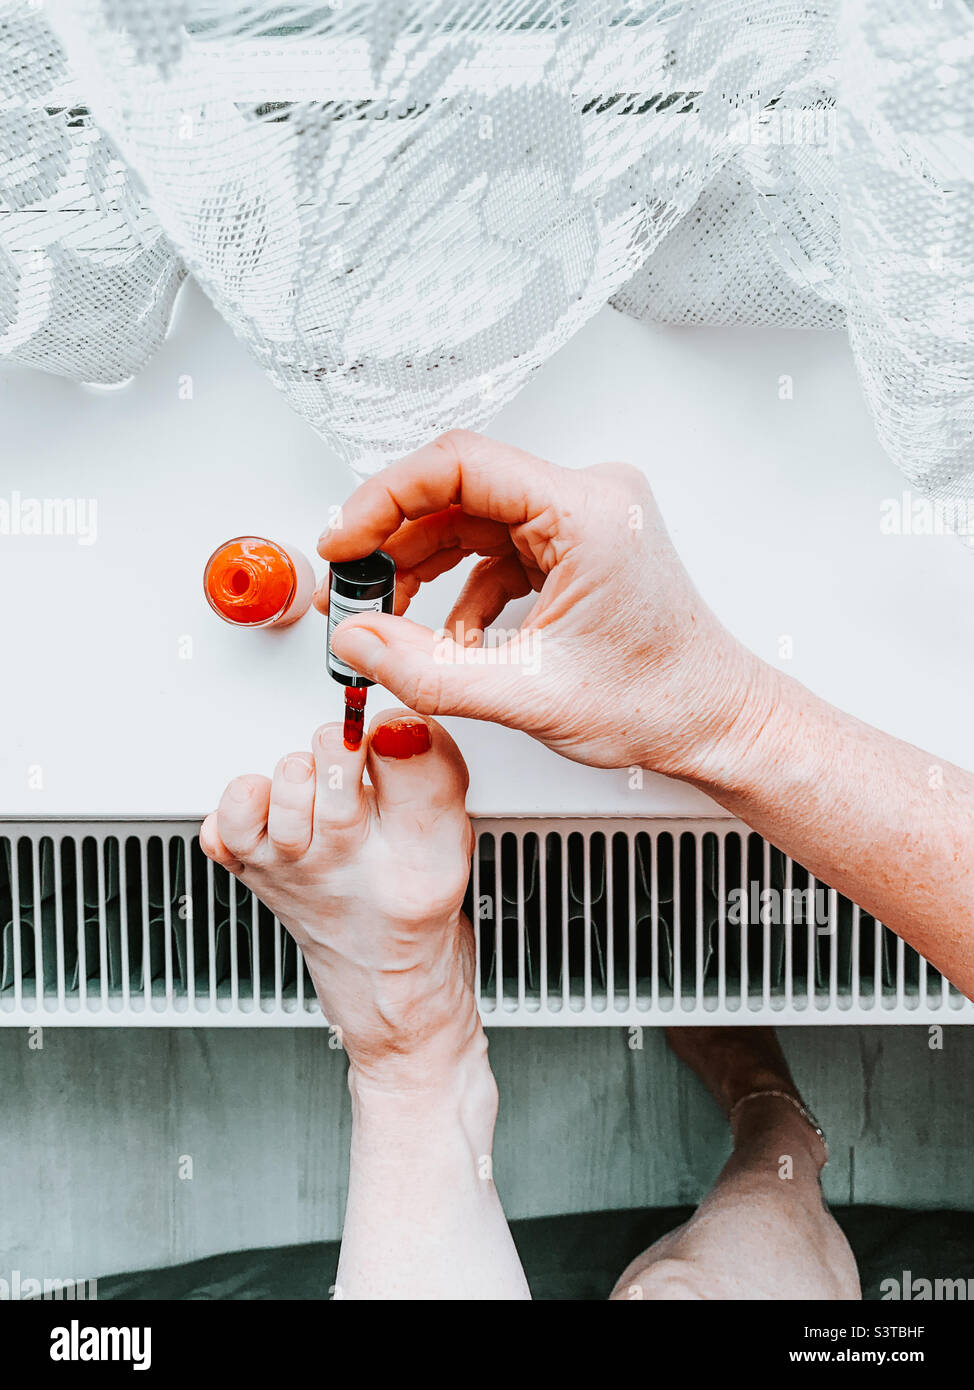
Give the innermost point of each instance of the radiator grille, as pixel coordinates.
(578, 922)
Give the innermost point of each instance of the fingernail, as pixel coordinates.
(401, 738)
(239, 791)
(296, 770)
(330, 531)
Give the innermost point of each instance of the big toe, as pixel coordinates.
(417, 771)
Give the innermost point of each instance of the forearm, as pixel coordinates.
(423, 1219)
(887, 824)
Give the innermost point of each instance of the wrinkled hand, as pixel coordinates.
(619, 662)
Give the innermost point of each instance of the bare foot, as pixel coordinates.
(764, 1230)
(369, 882)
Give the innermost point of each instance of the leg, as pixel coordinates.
(369, 880)
(763, 1231)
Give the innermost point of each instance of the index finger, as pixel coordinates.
(460, 468)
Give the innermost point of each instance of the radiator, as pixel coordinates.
(578, 922)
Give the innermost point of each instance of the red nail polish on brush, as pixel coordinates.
(254, 582)
(401, 738)
(354, 727)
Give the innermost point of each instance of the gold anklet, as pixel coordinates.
(803, 1110)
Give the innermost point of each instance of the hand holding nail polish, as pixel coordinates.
(614, 665)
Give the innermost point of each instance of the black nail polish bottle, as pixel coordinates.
(357, 586)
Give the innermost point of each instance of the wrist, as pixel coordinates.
(733, 722)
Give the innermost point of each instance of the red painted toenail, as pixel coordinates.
(401, 738)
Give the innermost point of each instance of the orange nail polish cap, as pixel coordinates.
(254, 582)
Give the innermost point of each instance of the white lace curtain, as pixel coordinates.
(404, 208)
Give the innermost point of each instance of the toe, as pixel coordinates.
(214, 848)
(292, 805)
(416, 769)
(241, 818)
(339, 795)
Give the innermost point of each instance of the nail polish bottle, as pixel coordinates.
(360, 586)
(254, 582)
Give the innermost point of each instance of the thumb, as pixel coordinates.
(432, 674)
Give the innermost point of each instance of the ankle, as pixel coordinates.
(781, 1123)
(448, 1088)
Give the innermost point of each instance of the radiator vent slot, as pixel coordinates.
(578, 922)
